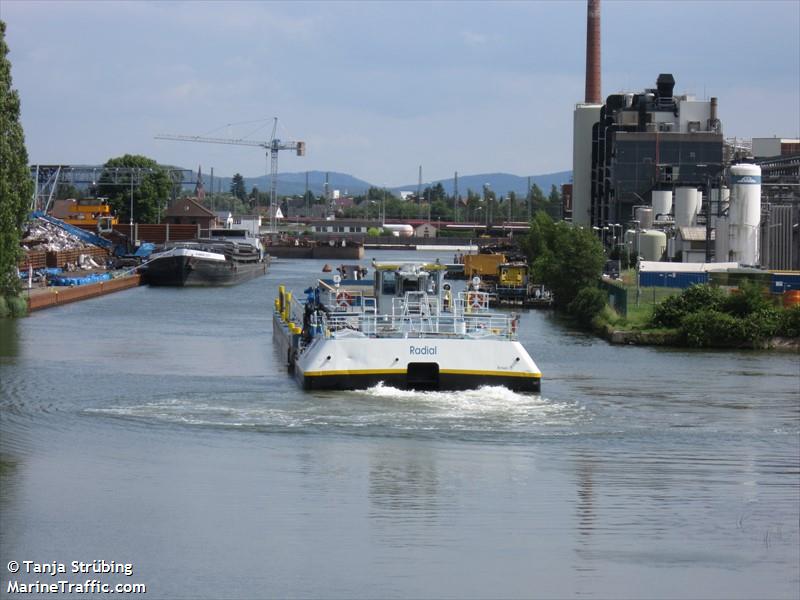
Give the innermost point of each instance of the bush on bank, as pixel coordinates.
(705, 316)
(13, 306)
(790, 322)
(587, 304)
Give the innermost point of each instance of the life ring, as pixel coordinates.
(474, 300)
(343, 300)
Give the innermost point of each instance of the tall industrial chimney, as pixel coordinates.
(593, 52)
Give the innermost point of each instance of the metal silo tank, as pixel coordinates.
(662, 203)
(645, 217)
(630, 242)
(652, 244)
(685, 206)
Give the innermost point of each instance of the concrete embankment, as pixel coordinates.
(672, 339)
(40, 298)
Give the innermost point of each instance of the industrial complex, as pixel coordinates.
(656, 165)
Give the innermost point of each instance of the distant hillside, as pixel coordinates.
(499, 183)
(290, 184)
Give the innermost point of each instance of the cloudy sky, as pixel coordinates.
(378, 88)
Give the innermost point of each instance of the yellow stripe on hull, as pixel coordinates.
(403, 372)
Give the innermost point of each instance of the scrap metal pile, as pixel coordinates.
(41, 235)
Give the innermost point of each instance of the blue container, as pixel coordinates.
(679, 280)
(784, 282)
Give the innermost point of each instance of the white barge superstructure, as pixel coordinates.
(413, 332)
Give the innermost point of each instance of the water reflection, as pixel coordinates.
(9, 339)
(584, 469)
(403, 490)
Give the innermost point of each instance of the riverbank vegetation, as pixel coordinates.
(568, 261)
(16, 187)
(704, 316)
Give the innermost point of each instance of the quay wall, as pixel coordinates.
(350, 252)
(55, 296)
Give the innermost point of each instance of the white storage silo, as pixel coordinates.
(662, 203)
(686, 205)
(745, 213)
(644, 215)
(652, 244)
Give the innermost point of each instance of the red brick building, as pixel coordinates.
(188, 211)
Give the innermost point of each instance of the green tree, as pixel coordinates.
(228, 203)
(237, 187)
(441, 209)
(554, 197)
(538, 201)
(16, 186)
(434, 193)
(565, 259)
(67, 191)
(253, 196)
(512, 204)
(151, 188)
(554, 203)
(474, 202)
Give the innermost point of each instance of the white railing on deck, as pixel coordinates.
(416, 315)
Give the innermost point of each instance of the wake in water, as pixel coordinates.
(380, 410)
(485, 400)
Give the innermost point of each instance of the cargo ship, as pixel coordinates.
(227, 257)
(411, 330)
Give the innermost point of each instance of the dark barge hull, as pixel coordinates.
(187, 271)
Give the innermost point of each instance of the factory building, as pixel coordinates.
(779, 159)
(647, 142)
(774, 146)
(656, 165)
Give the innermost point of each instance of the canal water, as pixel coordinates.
(158, 427)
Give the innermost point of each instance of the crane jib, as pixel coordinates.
(273, 146)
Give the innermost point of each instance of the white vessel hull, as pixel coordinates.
(416, 363)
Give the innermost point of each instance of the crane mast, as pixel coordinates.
(273, 147)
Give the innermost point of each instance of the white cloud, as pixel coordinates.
(473, 38)
(188, 90)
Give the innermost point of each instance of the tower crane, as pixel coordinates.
(273, 146)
